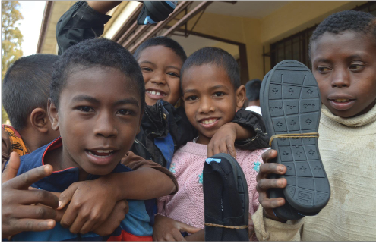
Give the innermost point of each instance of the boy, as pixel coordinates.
(212, 94)
(343, 56)
(252, 92)
(97, 95)
(25, 95)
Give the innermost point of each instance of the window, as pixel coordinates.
(295, 47)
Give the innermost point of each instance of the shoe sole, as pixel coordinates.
(290, 103)
(241, 185)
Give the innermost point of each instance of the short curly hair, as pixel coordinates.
(162, 41)
(217, 56)
(98, 52)
(351, 20)
(26, 86)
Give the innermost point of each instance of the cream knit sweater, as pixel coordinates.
(348, 152)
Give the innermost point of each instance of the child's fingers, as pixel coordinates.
(270, 202)
(265, 184)
(66, 196)
(269, 155)
(272, 168)
(27, 197)
(78, 223)
(12, 167)
(37, 211)
(20, 225)
(187, 228)
(26, 179)
(113, 221)
(231, 148)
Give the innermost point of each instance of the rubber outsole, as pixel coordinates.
(230, 192)
(290, 103)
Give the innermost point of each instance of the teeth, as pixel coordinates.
(206, 122)
(341, 100)
(154, 92)
(104, 151)
(107, 152)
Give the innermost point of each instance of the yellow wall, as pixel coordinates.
(299, 15)
(257, 34)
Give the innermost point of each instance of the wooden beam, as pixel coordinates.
(161, 24)
(127, 24)
(187, 17)
(140, 31)
(43, 28)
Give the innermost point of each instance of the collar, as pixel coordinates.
(60, 180)
(356, 121)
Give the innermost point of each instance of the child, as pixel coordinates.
(27, 113)
(164, 129)
(25, 95)
(212, 93)
(97, 95)
(343, 56)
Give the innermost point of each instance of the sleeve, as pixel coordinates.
(253, 121)
(6, 147)
(135, 162)
(272, 230)
(79, 23)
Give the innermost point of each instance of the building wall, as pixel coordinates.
(258, 34)
(58, 9)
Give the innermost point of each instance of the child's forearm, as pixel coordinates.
(142, 184)
(241, 132)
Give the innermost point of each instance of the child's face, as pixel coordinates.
(160, 67)
(98, 118)
(344, 66)
(210, 99)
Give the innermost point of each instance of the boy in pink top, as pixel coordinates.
(212, 94)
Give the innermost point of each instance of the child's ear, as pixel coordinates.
(53, 114)
(240, 96)
(39, 119)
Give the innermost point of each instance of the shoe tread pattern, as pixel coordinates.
(293, 106)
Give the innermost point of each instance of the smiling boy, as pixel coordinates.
(97, 100)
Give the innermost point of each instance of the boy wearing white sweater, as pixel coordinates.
(343, 56)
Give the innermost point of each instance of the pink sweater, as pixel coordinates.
(187, 205)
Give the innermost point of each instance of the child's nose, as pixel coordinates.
(206, 105)
(340, 78)
(105, 126)
(159, 78)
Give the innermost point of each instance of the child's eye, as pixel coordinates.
(191, 98)
(219, 94)
(172, 74)
(356, 67)
(146, 69)
(323, 69)
(126, 112)
(85, 108)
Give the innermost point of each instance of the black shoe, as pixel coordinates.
(290, 104)
(225, 199)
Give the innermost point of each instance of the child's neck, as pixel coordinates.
(203, 140)
(59, 161)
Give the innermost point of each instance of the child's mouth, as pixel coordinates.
(155, 94)
(342, 104)
(101, 153)
(207, 123)
(100, 157)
